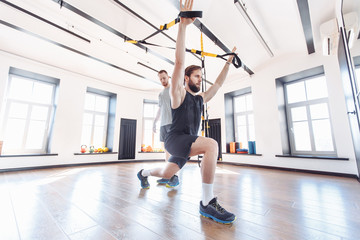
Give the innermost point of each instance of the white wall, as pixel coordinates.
(267, 128)
(67, 128)
(69, 113)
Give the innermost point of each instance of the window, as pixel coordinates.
(244, 120)
(239, 117)
(95, 120)
(307, 109)
(30, 107)
(151, 140)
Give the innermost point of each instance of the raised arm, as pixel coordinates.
(177, 91)
(210, 93)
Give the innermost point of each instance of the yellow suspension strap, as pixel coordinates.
(202, 86)
(187, 14)
(170, 24)
(204, 116)
(204, 124)
(202, 44)
(166, 26)
(236, 60)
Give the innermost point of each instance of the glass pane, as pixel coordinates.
(249, 104)
(88, 119)
(98, 139)
(298, 114)
(241, 120)
(42, 93)
(90, 101)
(301, 136)
(39, 113)
(319, 111)
(86, 135)
(20, 88)
(316, 88)
(251, 119)
(147, 137)
(295, 92)
(100, 120)
(101, 104)
(14, 134)
(322, 135)
(18, 110)
(35, 136)
(149, 110)
(239, 104)
(251, 133)
(148, 124)
(242, 136)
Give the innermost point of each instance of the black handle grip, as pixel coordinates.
(236, 61)
(190, 14)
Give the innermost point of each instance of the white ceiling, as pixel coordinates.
(109, 58)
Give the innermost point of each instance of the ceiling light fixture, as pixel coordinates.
(242, 10)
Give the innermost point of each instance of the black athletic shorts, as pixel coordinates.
(179, 146)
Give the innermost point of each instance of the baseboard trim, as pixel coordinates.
(75, 165)
(292, 169)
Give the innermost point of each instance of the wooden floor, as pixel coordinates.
(105, 202)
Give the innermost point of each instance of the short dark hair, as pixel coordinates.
(190, 69)
(162, 71)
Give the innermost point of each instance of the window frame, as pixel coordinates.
(94, 113)
(307, 104)
(155, 137)
(357, 87)
(33, 78)
(246, 114)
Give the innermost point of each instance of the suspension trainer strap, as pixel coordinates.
(184, 14)
(236, 60)
(187, 14)
(166, 26)
(170, 24)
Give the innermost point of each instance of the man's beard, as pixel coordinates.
(193, 87)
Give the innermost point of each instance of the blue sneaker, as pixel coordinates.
(143, 180)
(173, 182)
(217, 213)
(162, 181)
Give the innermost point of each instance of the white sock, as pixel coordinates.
(146, 173)
(207, 193)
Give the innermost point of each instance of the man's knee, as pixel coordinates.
(212, 146)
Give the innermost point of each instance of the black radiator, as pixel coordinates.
(127, 143)
(215, 133)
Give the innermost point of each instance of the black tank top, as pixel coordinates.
(186, 118)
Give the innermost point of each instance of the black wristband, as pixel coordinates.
(190, 14)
